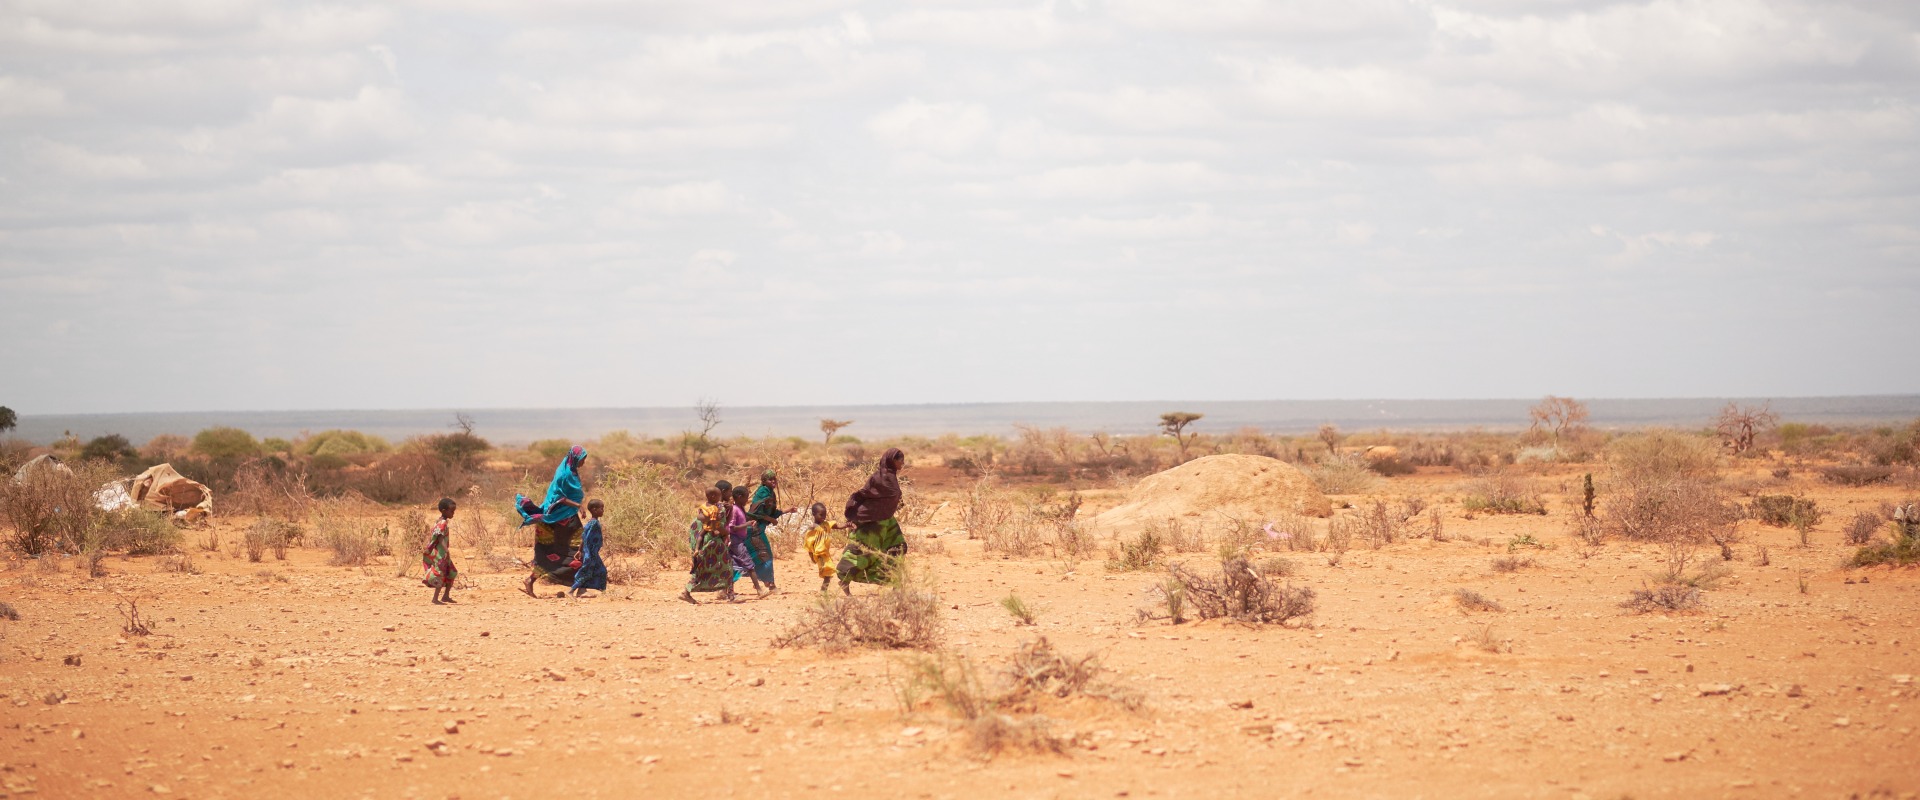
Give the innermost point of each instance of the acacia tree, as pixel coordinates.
(1174, 424)
(833, 426)
(8, 419)
(1330, 434)
(1558, 416)
(1738, 424)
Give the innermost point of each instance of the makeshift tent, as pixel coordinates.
(160, 488)
(37, 463)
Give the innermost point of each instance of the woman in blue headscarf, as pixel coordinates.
(555, 522)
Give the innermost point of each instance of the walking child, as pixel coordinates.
(819, 544)
(438, 557)
(712, 571)
(592, 572)
(737, 531)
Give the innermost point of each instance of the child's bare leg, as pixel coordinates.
(825, 582)
(528, 586)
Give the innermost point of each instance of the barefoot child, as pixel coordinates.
(712, 571)
(819, 544)
(737, 531)
(592, 572)
(438, 557)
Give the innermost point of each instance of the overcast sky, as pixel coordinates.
(230, 204)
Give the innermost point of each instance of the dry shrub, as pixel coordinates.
(1475, 601)
(1785, 511)
(1680, 515)
(628, 571)
(1506, 564)
(353, 541)
(1340, 533)
(1491, 642)
(647, 512)
(925, 544)
(408, 539)
(1291, 531)
(51, 506)
(1862, 526)
(953, 682)
(1502, 493)
(1660, 455)
(134, 531)
(1142, 551)
(1000, 717)
(1857, 474)
(269, 488)
(407, 478)
(1242, 594)
(904, 614)
(129, 609)
(482, 532)
(182, 563)
(1904, 550)
(1667, 597)
(1343, 474)
(8, 612)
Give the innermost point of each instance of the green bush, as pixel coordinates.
(551, 448)
(343, 443)
(225, 443)
(111, 448)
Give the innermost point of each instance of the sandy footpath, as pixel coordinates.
(345, 682)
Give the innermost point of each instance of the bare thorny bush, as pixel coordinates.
(1001, 714)
(1241, 593)
(259, 488)
(1025, 524)
(903, 614)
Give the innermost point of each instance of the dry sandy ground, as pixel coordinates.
(339, 682)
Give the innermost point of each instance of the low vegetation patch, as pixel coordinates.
(998, 715)
(1017, 608)
(904, 614)
(1857, 474)
(1507, 564)
(1471, 600)
(1670, 597)
(1501, 493)
(1241, 593)
(1343, 474)
(1785, 511)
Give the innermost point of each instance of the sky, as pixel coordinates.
(242, 204)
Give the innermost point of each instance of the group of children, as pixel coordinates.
(728, 538)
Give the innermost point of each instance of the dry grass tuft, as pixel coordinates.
(999, 718)
(904, 614)
(7, 612)
(1501, 493)
(1507, 564)
(1017, 608)
(1475, 601)
(1664, 597)
(1242, 594)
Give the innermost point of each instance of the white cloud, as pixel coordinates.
(940, 128)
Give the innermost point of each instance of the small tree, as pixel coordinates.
(1558, 416)
(1330, 434)
(8, 419)
(111, 448)
(1738, 424)
(1174, 424)
(831, 427)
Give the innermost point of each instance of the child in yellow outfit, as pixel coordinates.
(819, 544)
